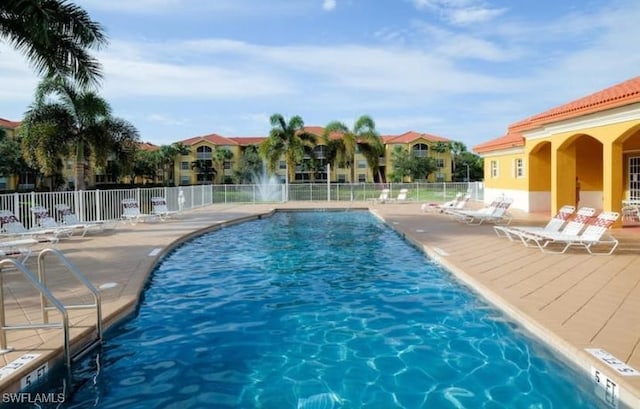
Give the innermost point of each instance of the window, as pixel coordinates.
(185, 180)
(184, 165)
(420, 150)
(440, 163)
(227, 164)
(320, 151)
(518, 168)
(634, 178)
(362, 164)
(362, 178)
(203, 153)
(282, 164)
(494, 168)
(342, 178)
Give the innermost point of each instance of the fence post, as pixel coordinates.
(16, 203)
(98, 203)
(32, 201)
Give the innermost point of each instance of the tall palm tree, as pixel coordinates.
(363, 137)
(55, 36)
(220, 157)
(456, 148)
(288, 139)
(250, 166)
(66, 120)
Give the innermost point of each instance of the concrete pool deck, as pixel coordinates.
(573, 301)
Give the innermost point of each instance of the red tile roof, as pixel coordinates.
(248, 140)
(216, 139)
(510, 140)
(148, 146)
(211, 138)
(316, 130)
(624, 93)
(412, 136)
(5, 123)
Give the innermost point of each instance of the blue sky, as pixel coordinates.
(460, 69)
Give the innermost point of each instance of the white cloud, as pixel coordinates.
(472, 15)
(459, 45)
(165, 120)
(328, 5)
(467, 83)
(460, 12)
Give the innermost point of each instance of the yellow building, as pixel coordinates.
(422, 144)
(205, 148)
(585, 152)
(214, 159)
(206, 153)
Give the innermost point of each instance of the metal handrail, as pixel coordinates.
(44, 294)
(78, 275)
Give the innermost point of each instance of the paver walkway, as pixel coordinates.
(573, 301)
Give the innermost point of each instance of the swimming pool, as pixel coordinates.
(319, 310)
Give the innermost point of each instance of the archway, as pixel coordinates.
(579, 172)
(539, 169)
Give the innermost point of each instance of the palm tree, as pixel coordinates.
(65, 120)
(441, 148)
(55, 36)
(456, 148)
(167, 156)
(363, 137)
(221, 156)
(250, 165)
(288, 139)
(206, 171)
(145, 165)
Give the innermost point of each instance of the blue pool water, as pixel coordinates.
(316, 311)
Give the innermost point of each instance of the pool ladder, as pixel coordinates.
(49, 302)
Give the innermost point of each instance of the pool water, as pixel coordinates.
(319, 310)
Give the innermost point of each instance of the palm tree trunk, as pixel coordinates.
(79, 175)
(79, 171)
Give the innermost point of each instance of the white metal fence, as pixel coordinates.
(94, 205)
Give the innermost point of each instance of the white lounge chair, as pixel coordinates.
(459, 202)
(496, 212)
(594, 233)
(19, 249)
(553, 225)
(573, 227)
(131, 212)
(70, 220)
(45, 221)
(384, 196)
(402, 196)
(160, 209)
(13, 228)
